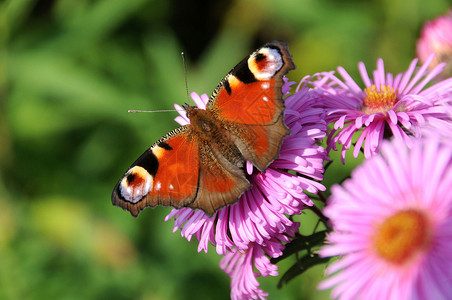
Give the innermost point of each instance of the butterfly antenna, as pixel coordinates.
(185, 74)
(153, 111)
(170, 110)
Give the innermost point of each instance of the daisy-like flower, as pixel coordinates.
(241, 265)
(259, 217)
(441, 128)
(436, 37)
(392, 225)
(387, 105)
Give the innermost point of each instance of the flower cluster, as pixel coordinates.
(436, 37)
(250, 231)
(391, 192)
(390, 223)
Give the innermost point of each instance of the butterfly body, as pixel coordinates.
(201, 165)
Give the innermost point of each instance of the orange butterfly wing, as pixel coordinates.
(221, 182)
(249, 101)
(166, 174)
(179, 170)
(251, 92)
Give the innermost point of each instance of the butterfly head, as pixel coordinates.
(191, 110)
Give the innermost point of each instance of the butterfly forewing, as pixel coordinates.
(251, 92)
(249, 101)
(166, 174)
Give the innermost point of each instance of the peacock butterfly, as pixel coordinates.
(201, 165)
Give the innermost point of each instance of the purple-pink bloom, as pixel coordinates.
(440, 128)
(387, 105)
(260, 216)
(436, 37)
(392, 225)
(241, 266)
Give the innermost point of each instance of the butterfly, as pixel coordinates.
(202, 165)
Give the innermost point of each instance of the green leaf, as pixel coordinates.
(301, 243)
(300, 266)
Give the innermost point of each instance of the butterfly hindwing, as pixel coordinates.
(220, 181)
(260, 144)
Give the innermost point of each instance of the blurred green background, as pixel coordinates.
(70, 70)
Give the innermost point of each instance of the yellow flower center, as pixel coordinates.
(379, 100)
(402, 236)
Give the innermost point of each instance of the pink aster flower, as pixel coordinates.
(440, 128)
(241, 266)
(387, 105)
(436, 37)
(261, 214)
(392, 225)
